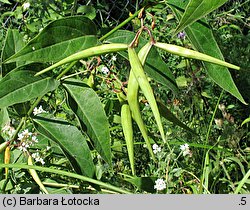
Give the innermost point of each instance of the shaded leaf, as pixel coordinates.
(202, 39)
(71, 141)
(58, 40)
(143, 183)
(197, 9)
(247, 120)
(155, 67)
(13, 43)
(87, 106)
(4, 118)
(167, 114)
(87, 11)
(5, 1)
(20, 86)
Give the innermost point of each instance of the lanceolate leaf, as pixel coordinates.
(155, 67)
(20, 86)
(13, 43)
(197, 9)
(203, 41)
(167, 114)
(58, 40)
(88, 108)
(71, 141)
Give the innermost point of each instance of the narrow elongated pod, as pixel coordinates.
(181, 51)
(35, 176)
(93, 51)
(137, 69)
(127, 128)
(7, 154)
(132, 97)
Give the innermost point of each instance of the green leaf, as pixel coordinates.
(167, 114)
(20, 86)
(87, 11)
(4, 118)
(155, 67)
(71, 141)
(203, 41)
(58, 40)
(13, 43)
(5, 1)
(197, 9)
(87, 106)
(247, 120)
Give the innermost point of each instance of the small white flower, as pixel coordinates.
(26, 133)
(185, 149)
(33, 48)
(113, 58)
(26, 5)
(23, 147)
(34, 139)
(105, 70)
(20, 136)
(42, 161)
(48, 148)
(38, 158)
(39, 110)
(26, 139)
(156, 148)
(160, 184)
(34, 155)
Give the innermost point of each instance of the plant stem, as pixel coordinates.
(206, 142)
(242, 182)
(120, 25)
(24, 118)
(66, 70)
(66, 173)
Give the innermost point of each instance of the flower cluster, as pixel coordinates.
(39, 110)
(160, 184)
(156, 148)
(26, 139)
(8, 130)
(185, 149)
(38, 158)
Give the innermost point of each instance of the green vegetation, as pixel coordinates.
(152, 100)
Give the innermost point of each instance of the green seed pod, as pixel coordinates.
(35, 176)
(181, 51)
(127, 128)
(93, 51)
(137, 69)
(132, 97)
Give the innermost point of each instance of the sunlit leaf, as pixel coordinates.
(70, 139)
